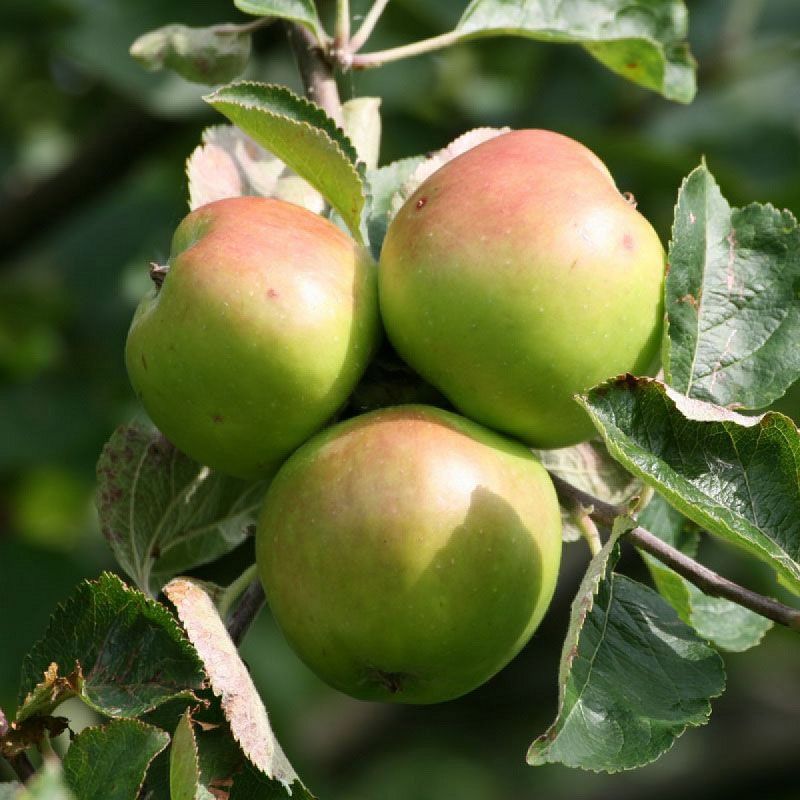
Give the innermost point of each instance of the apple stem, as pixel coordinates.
(703, 578)
(316, 72)
(583, 519)
(157, 273)
(246, 610)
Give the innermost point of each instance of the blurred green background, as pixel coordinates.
(92, 152)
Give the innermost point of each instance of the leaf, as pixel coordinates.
(163, 513)
(109, 762)
(633, 677)
(724, 623)
(589, 467)
(362, 124)
(731, 298)
(303, 136)
(383, 183)
(250, 783)
(231, 682)
(118, 651)
(303, 12)
(184, 776)
(642, 40)
(202, 55)
(228, 163)
(735, 476)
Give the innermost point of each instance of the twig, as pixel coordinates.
(315, 71)
(703, 578)
(342, 30)
(380, 57)
(359, 38)
(246, 611)
(19, 762)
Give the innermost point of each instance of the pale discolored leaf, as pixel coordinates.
(228, 163)
(304, 137)
(231, 682)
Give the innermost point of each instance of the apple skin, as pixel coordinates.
(264, 323)
(408, 554)
(517, 276)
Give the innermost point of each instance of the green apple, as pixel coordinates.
(517, 276)
(408, 554)
(265, 321)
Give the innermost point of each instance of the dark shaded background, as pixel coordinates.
(92, 150)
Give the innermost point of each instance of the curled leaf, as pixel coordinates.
(202, 55)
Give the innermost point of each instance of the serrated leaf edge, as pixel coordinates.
(187, 717)
(128, 721)
(671, 495)
(356, 167)
(65, 605)
(611, 550)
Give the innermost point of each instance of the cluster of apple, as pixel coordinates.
(408, 553)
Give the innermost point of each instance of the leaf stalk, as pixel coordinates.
(702, 577)
(366, 28)
(381, 57)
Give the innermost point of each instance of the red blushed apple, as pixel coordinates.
(408, 554)
(265, 321)
(516, 276)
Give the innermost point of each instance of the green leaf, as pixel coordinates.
(184, 771)
(303, 136)
(589, 467)
(144, 489)
(731, 298)
(109, 762)
(724, 623)
(383, 183)
(201, 55)
(633, 677)
(642, 40)
(231, 682)
(118, 651)
(733, 475)
(251, 783)
(301, 11)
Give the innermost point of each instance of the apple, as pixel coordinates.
(408, 554)
(265, 321)
(517, 276)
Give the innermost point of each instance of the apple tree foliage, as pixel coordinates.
(640, 665)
